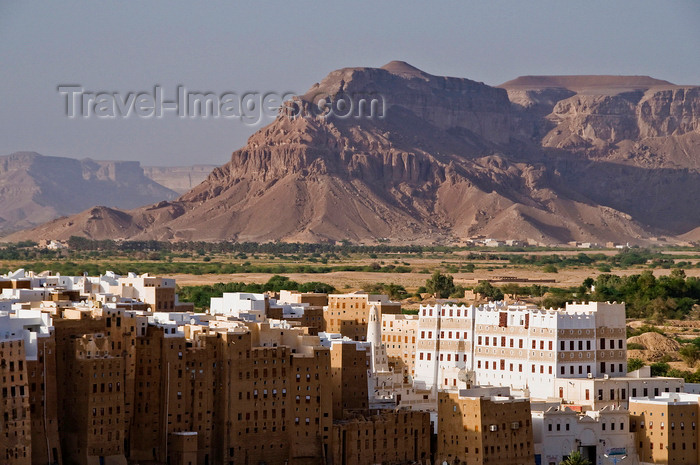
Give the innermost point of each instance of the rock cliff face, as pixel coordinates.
(548, 159)
(35, 188)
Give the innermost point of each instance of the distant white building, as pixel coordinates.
(243, 305)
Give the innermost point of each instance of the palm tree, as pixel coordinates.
(575, 458)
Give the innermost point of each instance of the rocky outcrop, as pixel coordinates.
(546, 159)
(669, 112)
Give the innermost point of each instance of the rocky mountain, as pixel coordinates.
(35, 188)
(178, 178)
(549, 159)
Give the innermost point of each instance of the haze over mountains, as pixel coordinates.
(549, 159)
(178, 178)
(35, 188)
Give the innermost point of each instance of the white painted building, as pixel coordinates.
(243, 305)
(26, 325)
(559, 430)
(519, 346)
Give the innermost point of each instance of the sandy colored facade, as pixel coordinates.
(314, 299)
(157, 292)
(349, 365)
(15, 418)
(41, 376)
(478, 430)
(348, 314)
(665, 428)
(391, 437)
(399, 339)
(94, 427)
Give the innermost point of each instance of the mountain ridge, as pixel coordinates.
(451, 158)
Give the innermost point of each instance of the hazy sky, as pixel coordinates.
(287, 46)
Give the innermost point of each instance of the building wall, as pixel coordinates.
(15, 418)
(666, 431)
(43, 398)
(399, 338)
(478, 430)
(348, 314)
(518, 346)
(601, 392)
(286, 417)
(560, 430)
(94, 424)
(397, 437)
(349, 365)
